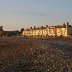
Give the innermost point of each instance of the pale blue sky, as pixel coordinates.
(16, 14)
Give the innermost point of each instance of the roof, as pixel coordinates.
(51, 27)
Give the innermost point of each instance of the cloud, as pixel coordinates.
(30, 13)
(35, 13)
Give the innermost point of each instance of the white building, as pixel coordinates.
(59, 30)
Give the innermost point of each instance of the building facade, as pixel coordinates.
(59, 30)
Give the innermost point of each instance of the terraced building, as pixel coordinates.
(59, 30)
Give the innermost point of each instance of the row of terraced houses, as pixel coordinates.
(59, 30)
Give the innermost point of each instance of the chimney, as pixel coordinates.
(64, 24)
(34, 27)
(46, 25)
(67, 23)
(41, 26)
(30, 27)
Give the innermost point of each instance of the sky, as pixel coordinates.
(17, 14)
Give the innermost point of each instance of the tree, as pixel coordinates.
(1, 28)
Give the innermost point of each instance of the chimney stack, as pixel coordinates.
(34, 27)
(46, 25)
(41, 26)
(67, 23)
(30, 27)
(64, 24)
